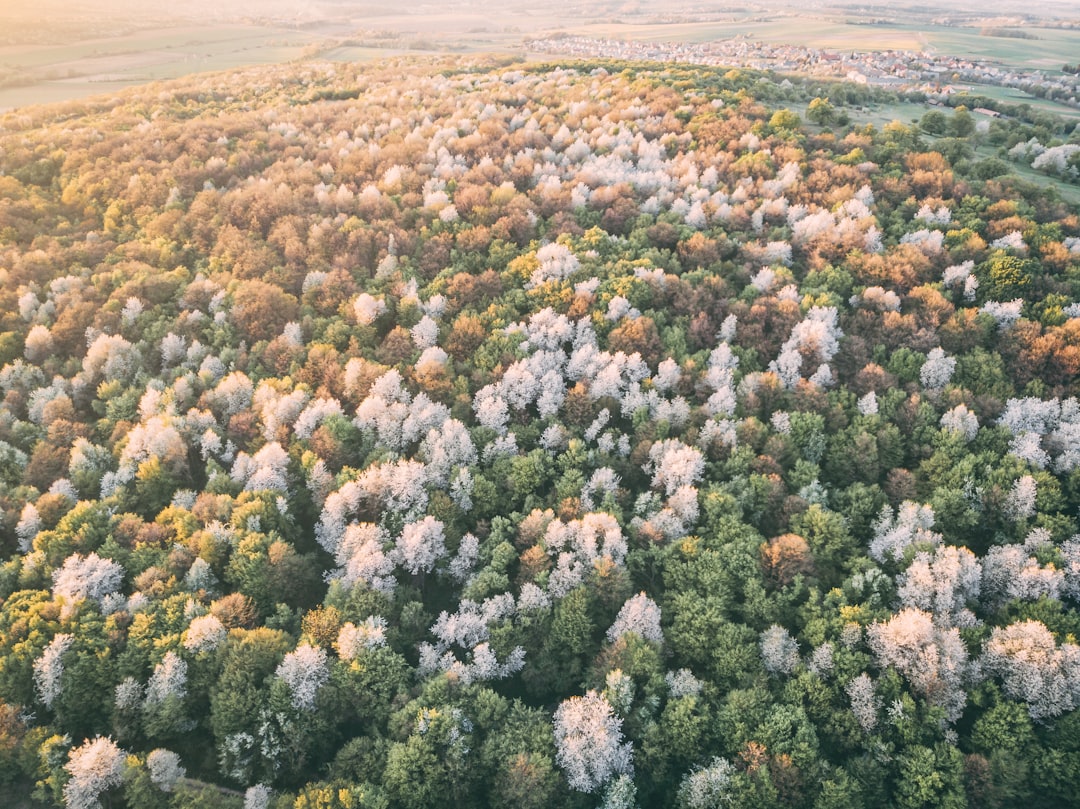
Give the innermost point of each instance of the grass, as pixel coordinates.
(50, 92)
(881, 114)
(1069, 192)
(1053, 48)
(56, 73)
(1011, 95)
(802, 31)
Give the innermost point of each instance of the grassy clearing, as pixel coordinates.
(1053, 45)
(52, 73)
(880, 115)
(1011, 95)
(803, 31)
(1069, 192)
(50, 92)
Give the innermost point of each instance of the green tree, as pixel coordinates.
(785, 119)
(821, 111)
(934, 122)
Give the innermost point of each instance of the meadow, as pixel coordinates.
(43, 71)
(41, 74)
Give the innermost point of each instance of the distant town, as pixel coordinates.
(895, 69)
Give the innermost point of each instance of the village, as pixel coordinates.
(939, 75)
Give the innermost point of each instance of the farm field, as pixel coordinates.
(60, 72)
(1011, 95)
(42, 71)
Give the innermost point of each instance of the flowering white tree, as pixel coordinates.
(961, 420)
(89, 576)
(1010, 571)
(1044, 430)
(579, 545)
(353, 638)
(589, 742)
(258, 797)
(204, 633)
(314, 414)
(779, 651)
(937, 370)
(818, 335)
(39, 343)
(164, 768)
(304, 671)
(640, 615)
(943, 582)
(1033, 668)
(555, 263)
(1006, 313)
(865, 703)
(397, 418)
(1020, 502)
(603, 482)
(267, 469)
(709, 786)
(363, 557)
(673, 464)
(933, 659)
(94, 767)
(110, 357)
(821, 660)
(420, 545)
(233, 394)
(367, 308)
(49, 668)
(895, 531)
(169, 679)
(28, 526)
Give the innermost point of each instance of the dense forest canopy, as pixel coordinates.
(503, 435)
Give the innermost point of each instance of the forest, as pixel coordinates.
(483, 433)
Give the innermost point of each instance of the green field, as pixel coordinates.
(54, 73)
(811, 32)
(42, 72)
(1011, 95)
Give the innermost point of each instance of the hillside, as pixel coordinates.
(486, 434)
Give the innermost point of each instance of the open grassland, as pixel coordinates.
(791, 30)
(1069, 193)
(1011, 95)
(42, 71)
(34, 74)
(1050, 50)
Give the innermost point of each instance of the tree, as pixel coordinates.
(421, 545)
(779, 651)
(165, 769)
(95, 767)
(962, 124)
(1033, 668)
(261, 310)
(820, 111)
(707, 786)
(934, 122)
(931, 658)
(49, 668)
(305, 672)
(785, 119)
(639, 615)
(589, 742)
